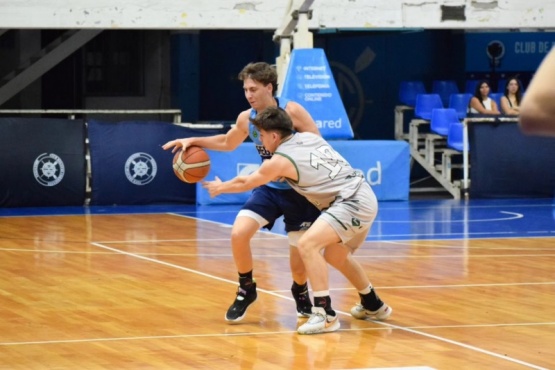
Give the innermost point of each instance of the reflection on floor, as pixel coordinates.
(415, 219)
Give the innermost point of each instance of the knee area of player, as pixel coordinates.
(307, 246)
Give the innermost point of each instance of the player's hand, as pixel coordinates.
(213, 187)
(177, 144)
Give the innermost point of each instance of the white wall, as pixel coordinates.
(268, 14)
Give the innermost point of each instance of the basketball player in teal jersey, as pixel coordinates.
(269, 202)
(348, 204)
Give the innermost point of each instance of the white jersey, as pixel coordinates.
(324, 175)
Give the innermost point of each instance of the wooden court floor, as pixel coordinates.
(149, 291)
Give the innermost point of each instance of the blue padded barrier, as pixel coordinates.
(385, 163)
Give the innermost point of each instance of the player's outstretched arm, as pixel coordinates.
(537, 111)
(268, 171)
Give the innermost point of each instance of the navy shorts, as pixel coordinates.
(270, 203)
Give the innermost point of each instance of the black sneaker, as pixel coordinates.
(302, 299)
(238, 309)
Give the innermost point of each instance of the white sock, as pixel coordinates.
(321, 293)
(367, 290)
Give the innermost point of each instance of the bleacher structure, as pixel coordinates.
(436, 135)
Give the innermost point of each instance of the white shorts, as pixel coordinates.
(352, 218)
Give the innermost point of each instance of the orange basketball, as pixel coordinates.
(191, 165)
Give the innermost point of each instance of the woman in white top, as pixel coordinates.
(481, 103)
(510, 101)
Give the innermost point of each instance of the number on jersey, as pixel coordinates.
(326, 158)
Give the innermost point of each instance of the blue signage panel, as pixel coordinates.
(507, 51)
(42, 162)
(129, 166)
(309, 81)
(384, 163)
(505, 163)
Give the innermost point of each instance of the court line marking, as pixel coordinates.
(271, 293)
(179, 336)
(446, 286)
(266, 255)
(455, 205)
(384, 324)
(373, 238)
(515, 216)
(442, 339)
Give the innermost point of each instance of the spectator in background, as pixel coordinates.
(537, 112)
(510, 101)
(481, 103)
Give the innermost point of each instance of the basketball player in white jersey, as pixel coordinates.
(537, 111)
(348, 205)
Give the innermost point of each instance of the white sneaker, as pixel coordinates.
(319, 322)
(361, 313)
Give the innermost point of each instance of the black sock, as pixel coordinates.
(246, 281)
(325, 303)
(296, 288)
(371, 301)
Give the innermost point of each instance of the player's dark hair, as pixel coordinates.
(274, 119)
(260, 72)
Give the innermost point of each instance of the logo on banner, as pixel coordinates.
(244, 169)
(140, 168)
(310, 81)
(48, 169)
(495, 51)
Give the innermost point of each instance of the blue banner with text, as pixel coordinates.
(385, 164)
(507, 51)
(309, 81)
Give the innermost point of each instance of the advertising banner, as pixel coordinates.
(384, 163)
(309, 82)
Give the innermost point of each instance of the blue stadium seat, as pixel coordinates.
(470, 86)
(442, 119)
(444, 88)
(408, 91)
(455, 136)
(459, 102)
(425, 103)
(497, 98)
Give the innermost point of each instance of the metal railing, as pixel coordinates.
(71, 113)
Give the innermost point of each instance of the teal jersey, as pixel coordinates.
(254, 134)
